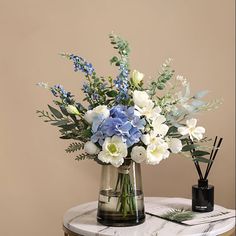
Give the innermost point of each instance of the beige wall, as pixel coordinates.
(38, 180)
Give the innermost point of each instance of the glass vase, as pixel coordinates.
(121, 201)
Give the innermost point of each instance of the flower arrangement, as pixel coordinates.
(126, 118)
(123, 117)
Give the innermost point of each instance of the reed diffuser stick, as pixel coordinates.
(212, 151)
(213, 158)
(196, 163)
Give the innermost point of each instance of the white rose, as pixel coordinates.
(141, 98)
(72, 110)
(138, 154)
(99, 110)
(137, 77)
(91, 148)
(175, 145)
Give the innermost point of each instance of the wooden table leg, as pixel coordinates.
(67, 232)
(229, 233)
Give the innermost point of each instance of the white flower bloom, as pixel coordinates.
(141, 98)
(157, 151)
(149, 138)
(91, 148)
(72, 110)
(146, 139)
(192, 130)
(137, 77)
(113, 151)
(99, 110)
(88, 116)
(145, 106)
(149, 110)
(138, 154)
(175, 145)
(158, 126)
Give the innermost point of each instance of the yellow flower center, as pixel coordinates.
(157, 151)
(112, 148)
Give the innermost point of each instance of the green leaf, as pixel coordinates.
(55, 112)
(75, 147)
(65, 137)
(161, 86)
(59, 123)
(172, 129)
(111, 93)
(189, 147)
(114, 59)
(68, 127)
(86, 133)
(200, 153)
(64, 111)
(84, 156)
(202, 159)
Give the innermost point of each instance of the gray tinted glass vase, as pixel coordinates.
(120, 200)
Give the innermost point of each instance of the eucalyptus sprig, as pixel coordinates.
(164, 75)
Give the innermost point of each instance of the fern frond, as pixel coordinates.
(178, 215)
(73, 147)
(84, 156)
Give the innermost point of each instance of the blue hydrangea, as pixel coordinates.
(81, 65)
(122, 122)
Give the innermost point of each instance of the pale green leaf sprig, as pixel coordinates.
(164, 75)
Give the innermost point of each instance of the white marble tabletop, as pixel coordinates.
(82, 220)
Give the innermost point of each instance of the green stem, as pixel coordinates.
(126, 201)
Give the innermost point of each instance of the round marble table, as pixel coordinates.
(81, 220)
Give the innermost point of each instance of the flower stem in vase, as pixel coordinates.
(126, 201)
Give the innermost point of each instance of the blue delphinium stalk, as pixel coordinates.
(121, 83)
(122, 122)
(80, 64)
(59, 91)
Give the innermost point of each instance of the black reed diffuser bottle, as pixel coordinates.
(203, 193)
(202, 196)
